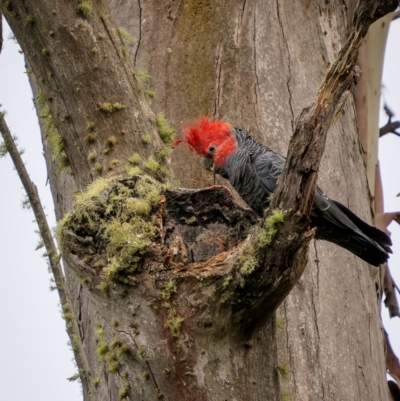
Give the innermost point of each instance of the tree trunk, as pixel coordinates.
(162, 326)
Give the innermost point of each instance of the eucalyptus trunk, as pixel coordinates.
(177, 319)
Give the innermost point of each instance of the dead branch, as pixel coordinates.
(390, 128)
(45, 232)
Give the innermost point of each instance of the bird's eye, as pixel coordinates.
(211, 148)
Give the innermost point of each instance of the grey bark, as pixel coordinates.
(257, 65)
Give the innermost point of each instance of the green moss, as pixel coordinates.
(174, 323)
(91, 156)
(3, 149)
(106, 151)
(262, 237)
(124, 391)
(125, 35)
(151, 93)
(145, 375)
(141, 351)
(96, 381)
(134, 159)
(168, 289)
(163, 153)
(51, 33)
(111, 140)
(123, 219)
(45, 51)
(164, 130)
(146, 139)
(104, 288)
(113, 163)
(102, 350)
(74, 377)
(29, 19)
(285, 394)
(283, 370)
(90, 138)
(98, 167)
(166, 371)
(90, 126)
(280, 324)
(114, 323)
(227, 280)
(118, 106)
(106, 107)
(152, 164)
(85, 8)
(132, 171)
(113, 366)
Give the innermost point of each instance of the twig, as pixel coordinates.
(390, 128)
(45, 232)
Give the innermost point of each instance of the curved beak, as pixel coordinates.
(206, 162)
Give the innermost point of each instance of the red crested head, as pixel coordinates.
(209, 138)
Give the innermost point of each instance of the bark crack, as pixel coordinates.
(288, 348)
(344, 173)
(288, 63)
(145, 361)
(218, 69)
(239, 25)
(140, 33)
(315, 312)
(255, 73)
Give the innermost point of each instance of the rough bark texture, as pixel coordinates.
(257, 65)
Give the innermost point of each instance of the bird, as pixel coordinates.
(253, 170)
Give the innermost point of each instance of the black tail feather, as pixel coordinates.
(358, 237)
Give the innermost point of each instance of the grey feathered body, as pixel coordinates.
(253, 170)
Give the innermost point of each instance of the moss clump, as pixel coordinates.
(90, 126)
(113, 163)
(146, 139)
(263, 237)
(155, 168)
(45, 51)
(227, 280)
(91, 156)
(124, 391)
(174, 323)
(111, 140)
(164, 130)
(29, 19)
(122, 220)
(163, 153)
(132, 171)
(106, 107)
(98, 167)
(168, 289)
(96, 381)
(283, 371)
(125, 35)
(85, 8)
(90, 138)
(102, 350)
(145, 375)
(285, 394)
(118, 106)
(134, 159)
(151, 93)
(141, 351)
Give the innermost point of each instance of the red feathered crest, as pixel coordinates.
(203, 132)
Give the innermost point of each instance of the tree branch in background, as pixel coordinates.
(45, 233)
(389, 128)
(1, 32)
(392, 362)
